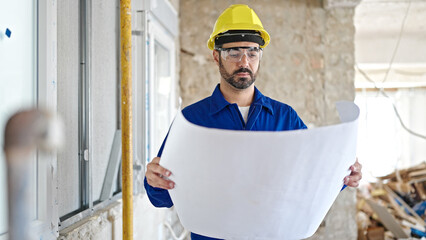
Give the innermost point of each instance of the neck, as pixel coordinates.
(242, 97)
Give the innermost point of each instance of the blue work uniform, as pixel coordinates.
(265, 114)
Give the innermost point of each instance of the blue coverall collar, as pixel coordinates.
(218, 101)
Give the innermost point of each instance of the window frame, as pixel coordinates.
(40, 212)
(158, 33)
(47, 208)
(89, 206)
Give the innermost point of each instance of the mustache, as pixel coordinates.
(241, 70)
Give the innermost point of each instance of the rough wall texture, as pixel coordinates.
(68, 55)
(148, 223)
(308, 65)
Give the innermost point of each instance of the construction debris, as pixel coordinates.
(394, 207)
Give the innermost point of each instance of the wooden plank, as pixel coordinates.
(404, 172)
(416, 180)
(388, 220)
(420, 190)
(395, 196)
(376, 233)
(400, 187)
(417, 173)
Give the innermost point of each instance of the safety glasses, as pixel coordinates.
(235, 54)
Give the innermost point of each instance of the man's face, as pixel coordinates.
(239, 74)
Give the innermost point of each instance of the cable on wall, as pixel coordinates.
(383, 92)
(401, 31)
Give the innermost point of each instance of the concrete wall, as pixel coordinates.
(308, 64)
(107, 223)
(383, 20)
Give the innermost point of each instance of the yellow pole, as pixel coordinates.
(126, 117)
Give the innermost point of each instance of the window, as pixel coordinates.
(378, 138)
(163, 30)
(383, 144)
(140, 98)
(162, 86)
(88, 100)
(105, 91)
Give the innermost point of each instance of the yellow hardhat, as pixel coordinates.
(238, 17)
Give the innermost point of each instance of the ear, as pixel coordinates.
(216, 56)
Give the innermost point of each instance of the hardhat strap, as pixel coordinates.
(239, 36)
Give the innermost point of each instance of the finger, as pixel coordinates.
(352, 180)
(159, 182)
(158, 169)
(357, 171)
(353, 184)
(354, 177)
(356, 167)
(156, 160)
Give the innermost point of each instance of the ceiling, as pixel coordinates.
(378, 27)
(387, 16)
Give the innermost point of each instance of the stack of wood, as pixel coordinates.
(394, 207)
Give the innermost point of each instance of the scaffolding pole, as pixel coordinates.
(126, 117)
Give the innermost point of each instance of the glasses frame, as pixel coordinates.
(225, 53)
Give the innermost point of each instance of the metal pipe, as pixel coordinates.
(182, 236)
(24, 133)
(126, 117)
(84, 106)
(145, 71)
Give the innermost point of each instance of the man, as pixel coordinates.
(237, 41)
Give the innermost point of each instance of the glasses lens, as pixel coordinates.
(236, 54)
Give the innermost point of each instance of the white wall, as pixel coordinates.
(68, 77)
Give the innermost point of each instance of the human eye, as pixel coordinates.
(234, 53)
(253, 53)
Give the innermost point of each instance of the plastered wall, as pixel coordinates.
(308, 64)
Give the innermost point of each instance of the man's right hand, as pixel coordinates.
(155, 175)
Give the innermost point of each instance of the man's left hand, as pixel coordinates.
(356, 175)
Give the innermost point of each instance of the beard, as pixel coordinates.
(234, 80)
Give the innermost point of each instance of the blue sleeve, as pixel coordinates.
(157, 196)
(344, 186)
(297, 121)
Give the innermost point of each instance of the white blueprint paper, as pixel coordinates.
(258, 185)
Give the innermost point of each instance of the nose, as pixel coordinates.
(244, 62)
